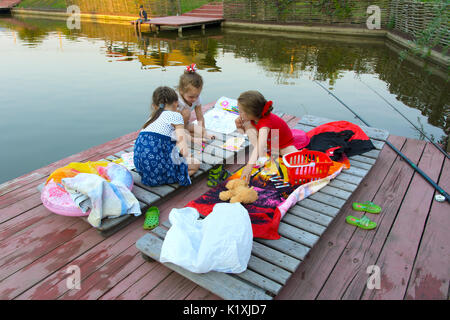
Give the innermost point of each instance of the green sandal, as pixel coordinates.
(367, 207)
(364, 222)
(217, 175)
(151, 218)
(214, 176)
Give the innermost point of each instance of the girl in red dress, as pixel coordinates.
(268, 133)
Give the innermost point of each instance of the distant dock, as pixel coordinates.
(210, 14)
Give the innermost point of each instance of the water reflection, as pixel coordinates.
(285, 57)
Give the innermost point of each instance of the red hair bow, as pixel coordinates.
(266, 108)
(192, 68)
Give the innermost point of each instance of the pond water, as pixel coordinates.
(64, 91)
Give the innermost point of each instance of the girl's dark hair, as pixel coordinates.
(161, 97)
(253, 102)
(190, 78)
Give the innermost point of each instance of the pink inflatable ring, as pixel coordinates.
(56, 199)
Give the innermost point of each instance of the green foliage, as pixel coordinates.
(336, 8)
(431, 36)
(45, 4)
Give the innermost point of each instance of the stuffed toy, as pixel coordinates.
(238, 191)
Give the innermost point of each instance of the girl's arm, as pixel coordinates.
(252, 134)
(181, 139)
(199, 114)
(201, 119)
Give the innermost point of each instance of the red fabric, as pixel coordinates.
(338, 126)
(272, 121)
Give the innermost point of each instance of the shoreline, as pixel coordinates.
(435, 56)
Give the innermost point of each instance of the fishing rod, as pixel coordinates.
(413, 165)
(421, 132)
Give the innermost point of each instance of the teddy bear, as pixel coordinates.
(238, 191)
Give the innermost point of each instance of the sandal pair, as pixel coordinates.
(364, 222)
(217, 175)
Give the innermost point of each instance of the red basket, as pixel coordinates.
(306, 165)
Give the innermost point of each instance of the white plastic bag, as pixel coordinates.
(220, 242)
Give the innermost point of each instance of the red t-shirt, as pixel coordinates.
(273, 122)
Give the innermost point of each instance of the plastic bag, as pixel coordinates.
(220, 242)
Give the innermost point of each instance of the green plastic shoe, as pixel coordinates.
(214, 176)
(151, 218)
(363, 223)
(367, 207)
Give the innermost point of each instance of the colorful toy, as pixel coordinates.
(238, 191)
(56, 199)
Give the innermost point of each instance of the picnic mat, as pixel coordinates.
(266, 212)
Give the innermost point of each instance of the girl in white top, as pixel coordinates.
(161, 154)
(189, 89)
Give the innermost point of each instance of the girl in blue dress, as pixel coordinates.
(161, 155)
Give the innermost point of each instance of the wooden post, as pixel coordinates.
(180, 31)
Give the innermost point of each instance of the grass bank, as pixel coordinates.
(186, 5)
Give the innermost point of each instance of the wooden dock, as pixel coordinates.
(410, 244)
(8, 4)
(209, 14)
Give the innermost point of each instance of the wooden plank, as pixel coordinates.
(339, 193)
(298, 235)
(327, 199)
(345, 177)
(346, 186)
(307, 282)
(202, 294)
(260, 281)
(304, 224)
(348, 278)
(287, 246)
(430, 274)
(311, 215)
(100, 252)
(145, 196)
(174, 287)
(23, 249)
(12, 211)
(274, 256)
(357, 171)
(363, 159)
(222, 284)
(397, 257)
(40, 269)
(110, 275)
(268, 270)
(360, 165)
(131, 279)
(319, 207)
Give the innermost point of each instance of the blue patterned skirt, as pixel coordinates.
(158, 161)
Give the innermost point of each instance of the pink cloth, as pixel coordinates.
(301, 139)
(304, 191)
